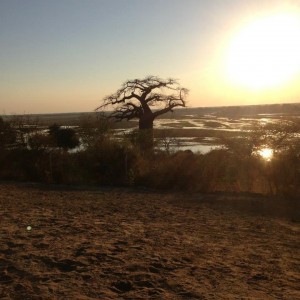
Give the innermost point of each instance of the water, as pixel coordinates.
(189, 125)
(200, 148)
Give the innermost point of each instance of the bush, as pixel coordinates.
(8, 135)
(65, 138)
(107, 162)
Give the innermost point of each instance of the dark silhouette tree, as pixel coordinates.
(8, 136)
(135, 99)
(65, 138)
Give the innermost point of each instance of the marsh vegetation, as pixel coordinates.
(207, 152)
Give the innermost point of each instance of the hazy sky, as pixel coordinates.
(66, 55)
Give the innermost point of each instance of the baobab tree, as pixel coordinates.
(136, 98)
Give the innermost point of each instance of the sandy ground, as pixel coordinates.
(125, 244)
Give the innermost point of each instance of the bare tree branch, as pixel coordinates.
(135, 97)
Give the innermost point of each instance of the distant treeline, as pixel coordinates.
(243, 110)
(292, 109)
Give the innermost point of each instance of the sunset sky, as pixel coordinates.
(66, 55)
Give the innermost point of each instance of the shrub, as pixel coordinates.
(65, 138)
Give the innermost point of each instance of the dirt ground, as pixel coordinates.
(125, 244)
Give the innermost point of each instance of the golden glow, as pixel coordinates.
(266, 52)
(266, 153)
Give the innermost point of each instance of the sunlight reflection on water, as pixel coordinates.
(202, 148)
(266, 153)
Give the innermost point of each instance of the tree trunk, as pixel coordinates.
(146, 122)
(146, 132)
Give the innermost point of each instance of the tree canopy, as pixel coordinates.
(145, 99)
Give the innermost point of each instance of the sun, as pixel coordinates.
(266, 52)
